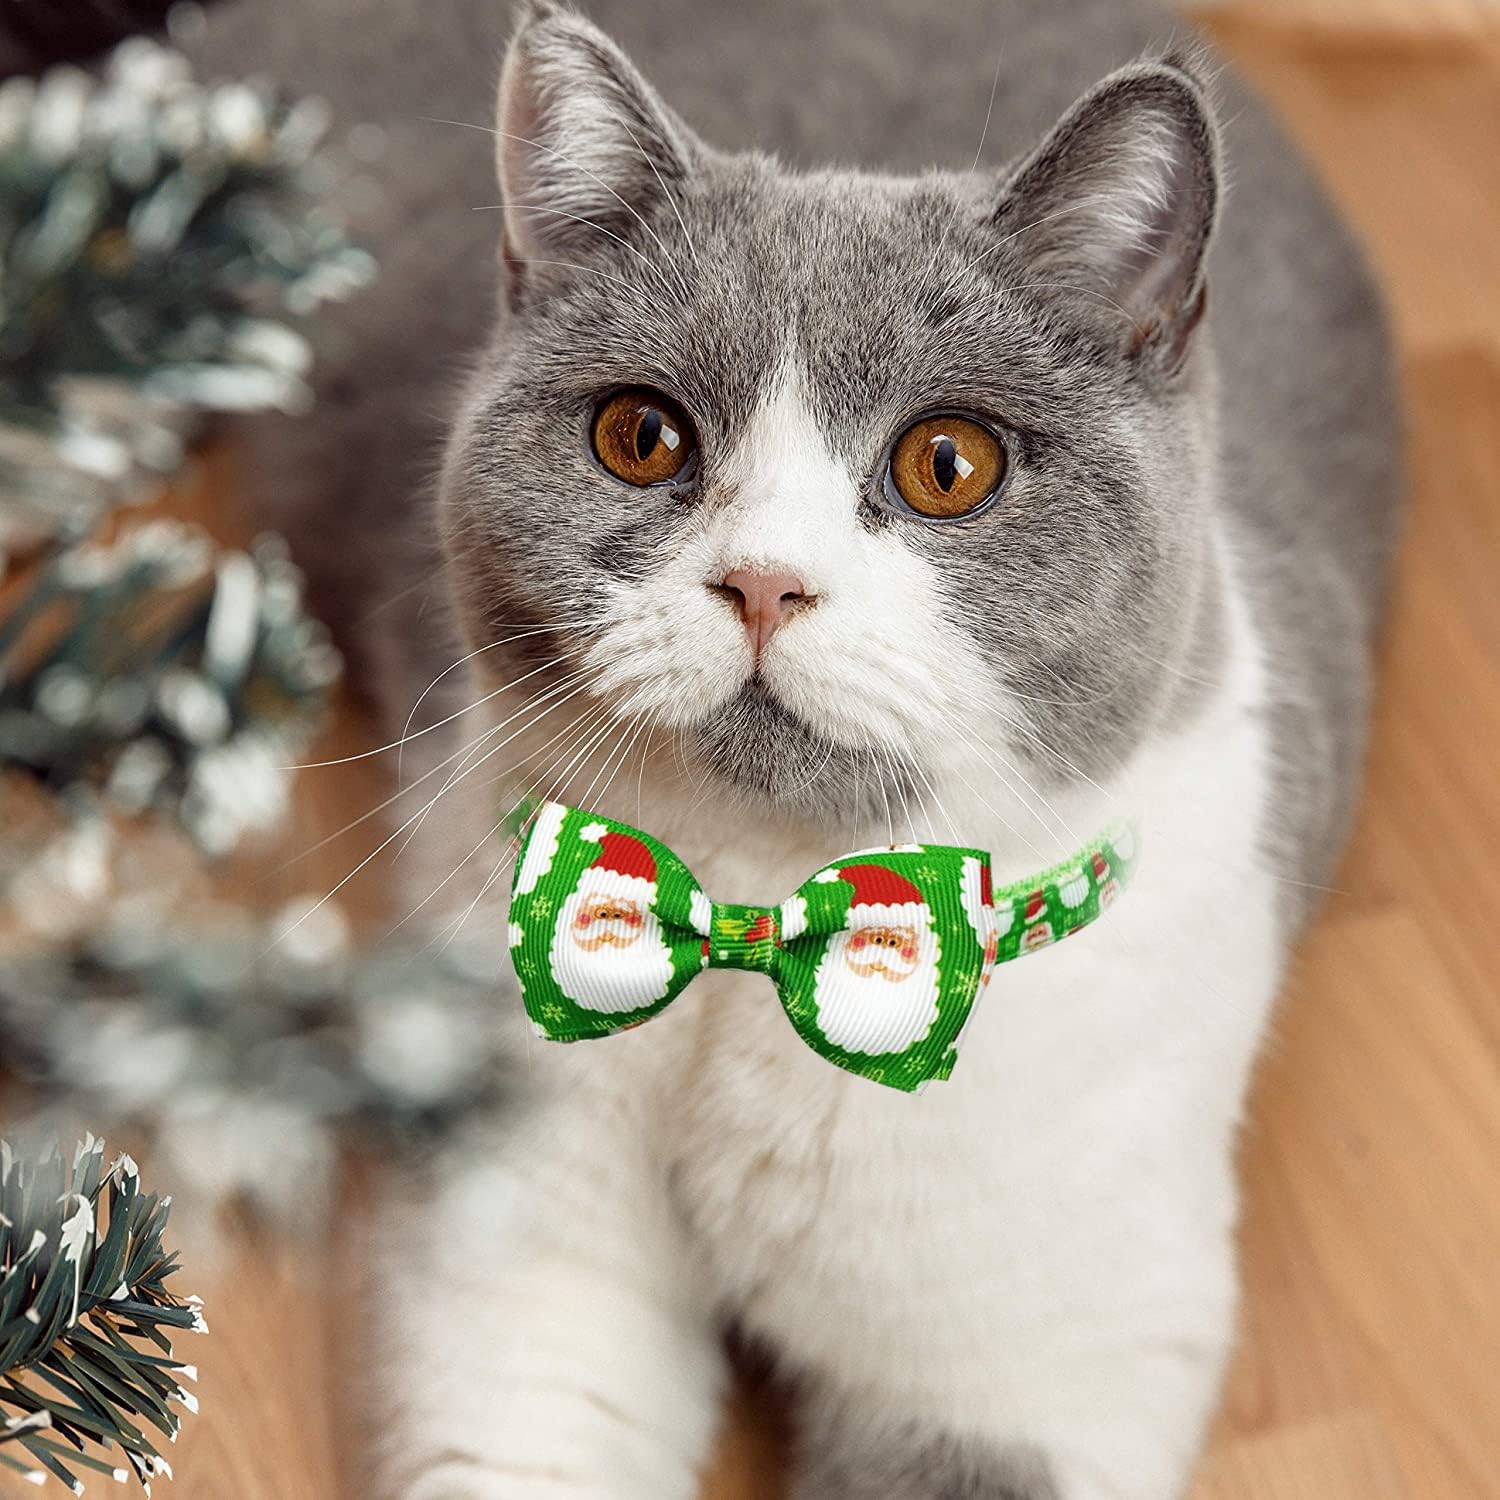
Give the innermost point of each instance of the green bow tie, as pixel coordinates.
(878, 958)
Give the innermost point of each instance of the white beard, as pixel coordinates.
(612, 978)
(870, 1013)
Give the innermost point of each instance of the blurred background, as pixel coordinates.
(196, 944)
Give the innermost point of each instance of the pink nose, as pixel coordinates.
(763, 599)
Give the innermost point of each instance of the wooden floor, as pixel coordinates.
(1369, 1363)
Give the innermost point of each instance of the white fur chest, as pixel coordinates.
(1084, 1138)
(1073, 1174)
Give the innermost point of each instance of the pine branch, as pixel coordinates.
(86, 1320)
(159, 241)
(166, 674)
(310, 1038)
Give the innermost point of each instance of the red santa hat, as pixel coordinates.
(621, 855)
(882, 890)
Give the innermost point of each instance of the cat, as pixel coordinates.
(711, 561)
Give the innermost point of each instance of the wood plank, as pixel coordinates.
(268, 1373)
(1395, 22)
(1341, 1458)
(1406, 136)
(1370, 1207)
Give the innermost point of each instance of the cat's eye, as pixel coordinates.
(643, 437)
(945, 466)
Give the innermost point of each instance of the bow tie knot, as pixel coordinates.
(744, 937)
(878, 958)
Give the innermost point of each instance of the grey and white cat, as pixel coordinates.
(1021, 1284)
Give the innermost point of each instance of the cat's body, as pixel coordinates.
(1019, 1285)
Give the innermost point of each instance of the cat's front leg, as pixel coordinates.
(1124, 1424)
(546, 1336)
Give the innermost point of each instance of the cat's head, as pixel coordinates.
(845, 482)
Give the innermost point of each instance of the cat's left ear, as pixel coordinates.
(1119, 205)
(588, 155)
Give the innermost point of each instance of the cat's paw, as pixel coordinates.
(471, 1479)
(860, 1461)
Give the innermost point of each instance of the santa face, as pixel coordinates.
(876, 987)
(608, 950)
(607, 922)
(1038, 935)
(887, 952)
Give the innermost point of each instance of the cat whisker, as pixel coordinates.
(890, 822)
(1197, 853)
(400, 594)
(344, 760)
(562, 213)
(1000, 817)
(933, 793)
(813, 775)
(678, 754)
(588, 796)
(576, 681)
(1179, 671)
(375, 811)
(571, 733)
(432, 895)
(386, 842)
(984, 751)
(453, 666)
(1075, 702)
(578, 732)
(506, 860)
(855, 811)
(666, 192)
(640, 780)
(898, 781)
(562, 157)
(973, 167)
(1111, 800)
(699, 782)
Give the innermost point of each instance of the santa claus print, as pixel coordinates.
(979, 908)
(1109, 887)
(1073, 888)
(608, 950)
(541, 847)
(1038, 930)
(876, 986)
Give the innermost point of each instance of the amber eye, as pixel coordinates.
(643, 437)
(945, 466)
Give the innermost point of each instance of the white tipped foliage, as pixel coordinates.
(86, 1373)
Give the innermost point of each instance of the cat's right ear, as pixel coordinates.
(587, 152)
(1119, 203)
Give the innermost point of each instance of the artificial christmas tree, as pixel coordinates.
(164, 249)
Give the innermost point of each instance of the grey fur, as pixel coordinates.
(1309, 431)
(1087, 591)
(844, 1455)
(869, 278)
